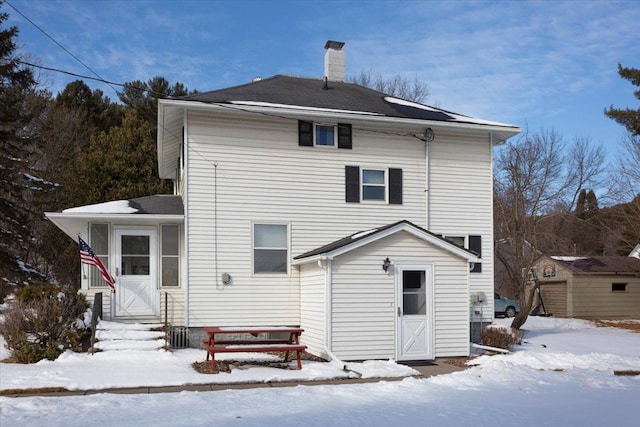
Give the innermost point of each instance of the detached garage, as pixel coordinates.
(395, 292)
(606, 287)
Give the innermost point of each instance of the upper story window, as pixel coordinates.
(270, 248)
(383, 185)
(324, 135)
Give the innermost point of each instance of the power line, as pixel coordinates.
(60, 45)
(57, 70)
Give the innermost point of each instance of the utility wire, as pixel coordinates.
(57, 70)
(60, 45)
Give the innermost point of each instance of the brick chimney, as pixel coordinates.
(334, 65)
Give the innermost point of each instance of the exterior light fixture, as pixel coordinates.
(385, 264)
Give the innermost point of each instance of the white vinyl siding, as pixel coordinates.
(313, 308)
(363, 301)
(263, 175)
(461, 199)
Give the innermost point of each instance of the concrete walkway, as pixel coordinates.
(426, 370)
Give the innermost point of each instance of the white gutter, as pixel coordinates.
(298, 111)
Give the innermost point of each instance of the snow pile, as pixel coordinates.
(563, 374)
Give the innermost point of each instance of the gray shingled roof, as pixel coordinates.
(601, 264)
(159, 204)
(368, 233)
(307, 92)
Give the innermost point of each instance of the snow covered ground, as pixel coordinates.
(562, 375)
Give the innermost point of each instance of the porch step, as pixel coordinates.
(115, 336)
(129, 335)
(120, 345)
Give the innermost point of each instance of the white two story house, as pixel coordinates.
(363, 218)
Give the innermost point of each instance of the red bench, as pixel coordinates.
(258, 345)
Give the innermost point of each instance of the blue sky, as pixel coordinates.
(535, 64)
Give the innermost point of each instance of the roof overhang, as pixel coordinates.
(75, 224)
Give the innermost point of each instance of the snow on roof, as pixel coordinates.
(114, 207)
(567, 258)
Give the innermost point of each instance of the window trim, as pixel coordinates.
(287, 271)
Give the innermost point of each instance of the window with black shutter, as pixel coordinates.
(374, 185)
(305, 133)
(395, 186)
(344, 135)
(475, 245)
(321, 135)
(352, 184)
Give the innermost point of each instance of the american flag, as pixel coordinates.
(87, 256)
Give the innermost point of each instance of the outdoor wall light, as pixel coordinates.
(385, 264)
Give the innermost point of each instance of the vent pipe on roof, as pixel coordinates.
(334, 63)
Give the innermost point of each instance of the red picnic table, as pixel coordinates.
(216, 343)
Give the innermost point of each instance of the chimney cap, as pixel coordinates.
(330, 44)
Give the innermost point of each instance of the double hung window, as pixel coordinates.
(270, 248)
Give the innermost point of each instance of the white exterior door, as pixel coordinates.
(415, 312)
(136, 273)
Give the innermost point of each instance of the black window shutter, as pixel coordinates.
(352, 184)
(305, 133)
(475, 245)
(395, 186)
(344, 135)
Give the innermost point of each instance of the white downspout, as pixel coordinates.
(326, 266)
(427, 186)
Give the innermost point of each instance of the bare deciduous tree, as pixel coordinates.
(400, 86)
(536, 177)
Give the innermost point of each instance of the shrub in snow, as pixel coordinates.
(500, 337)
(43, 321)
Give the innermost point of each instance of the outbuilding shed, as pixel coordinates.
(590, 287)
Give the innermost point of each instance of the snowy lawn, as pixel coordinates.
(562, 375)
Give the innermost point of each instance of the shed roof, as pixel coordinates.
(600, 264)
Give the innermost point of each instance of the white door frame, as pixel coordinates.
(132, 299)
(424, 349)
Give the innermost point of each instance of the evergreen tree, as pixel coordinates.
(20, 182)
(628, 117)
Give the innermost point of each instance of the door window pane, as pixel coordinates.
(414, 296)
(135, 255)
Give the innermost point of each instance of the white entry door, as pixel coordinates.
(415, 312)
(136, 273)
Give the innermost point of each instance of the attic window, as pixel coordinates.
(618, 287)
(324, 135)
